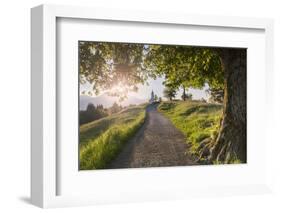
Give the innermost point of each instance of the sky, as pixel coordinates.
(144, 91)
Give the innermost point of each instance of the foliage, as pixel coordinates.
(186, 66)
(108, 65)
(156, 98)
(186, 96)
(92, 113)
(195, 119)
(169, 93)
(216, 95)
(102, 140)
(115, 108)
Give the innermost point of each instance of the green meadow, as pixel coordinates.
(102, 140)
(197, 120)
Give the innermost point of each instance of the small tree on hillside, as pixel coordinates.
(169, 93)
(92, 113)
(91, 108)
(186, 96)
(115, 108)
(155, 98)
(100, 107)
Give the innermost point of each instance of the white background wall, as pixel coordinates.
(15, 104)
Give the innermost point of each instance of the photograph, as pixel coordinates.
(161, 105)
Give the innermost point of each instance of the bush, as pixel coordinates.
(92, 113)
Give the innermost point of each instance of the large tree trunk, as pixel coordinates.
(230, 145)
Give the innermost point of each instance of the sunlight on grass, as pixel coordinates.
(197, 120)
(102, 140)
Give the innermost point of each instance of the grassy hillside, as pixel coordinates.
(197, 120)
(102, 140)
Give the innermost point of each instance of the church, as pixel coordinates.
(151, 100)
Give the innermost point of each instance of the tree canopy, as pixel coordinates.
(110, 66)
(170, 93)
(185, 66)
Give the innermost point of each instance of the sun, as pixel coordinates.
(119, 90)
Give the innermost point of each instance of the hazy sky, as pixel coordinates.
(144, 91)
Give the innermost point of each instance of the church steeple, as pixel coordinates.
(152, 97)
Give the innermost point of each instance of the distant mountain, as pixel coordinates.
(107, 101)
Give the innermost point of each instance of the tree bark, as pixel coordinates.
(230, 144)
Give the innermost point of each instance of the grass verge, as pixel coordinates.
(197, 120)
(102, 140)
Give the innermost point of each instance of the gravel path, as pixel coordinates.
(157, 143)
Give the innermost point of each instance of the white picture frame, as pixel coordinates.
(44, 149)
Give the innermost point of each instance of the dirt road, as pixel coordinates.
(157, 143)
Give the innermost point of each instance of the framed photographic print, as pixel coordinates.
(130, 106)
